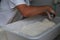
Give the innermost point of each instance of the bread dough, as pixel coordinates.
(37, 28)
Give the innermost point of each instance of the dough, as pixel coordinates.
(37, 28)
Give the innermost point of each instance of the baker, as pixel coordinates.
(7, 7)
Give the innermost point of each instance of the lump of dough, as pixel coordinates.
(37, 28)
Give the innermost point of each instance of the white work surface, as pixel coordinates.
(15, 29)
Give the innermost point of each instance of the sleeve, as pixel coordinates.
(17, 2)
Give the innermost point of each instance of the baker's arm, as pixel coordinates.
(28, 11)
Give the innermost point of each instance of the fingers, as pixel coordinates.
(51, 16)
(50, 10)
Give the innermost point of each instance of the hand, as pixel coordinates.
(51, 13)
(50, 10)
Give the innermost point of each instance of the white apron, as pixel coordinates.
(7, 11)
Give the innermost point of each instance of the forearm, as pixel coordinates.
(28, 11)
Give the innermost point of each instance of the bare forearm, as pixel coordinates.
(28, 11)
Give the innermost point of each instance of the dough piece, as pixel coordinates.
(37, 28)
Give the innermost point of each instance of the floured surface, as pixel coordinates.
(37, 28)
(31, 27)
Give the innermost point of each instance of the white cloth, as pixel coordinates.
(6, 17)
(8, 4)
(7, 10)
